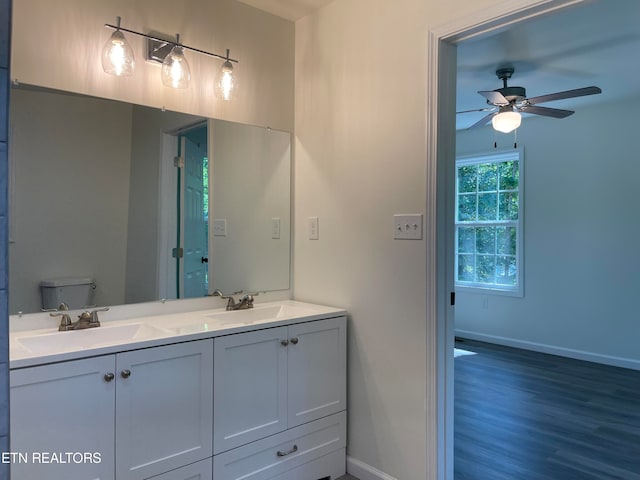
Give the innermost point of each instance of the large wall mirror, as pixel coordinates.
(151, 204)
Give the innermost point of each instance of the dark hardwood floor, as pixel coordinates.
(522, 415)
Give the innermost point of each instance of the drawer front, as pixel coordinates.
(201, 470)
(272, 457)
(329, 467)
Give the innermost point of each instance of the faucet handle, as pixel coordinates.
(218, 293)
(94, 314)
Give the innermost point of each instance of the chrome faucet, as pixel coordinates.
(87, 319)
(245, 302)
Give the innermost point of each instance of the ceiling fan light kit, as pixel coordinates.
(508, 102)
(506, 120)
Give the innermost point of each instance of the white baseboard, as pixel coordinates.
(551, 349)
(362, 471)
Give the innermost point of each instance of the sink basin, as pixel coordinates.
(243, 317)
(89, 338)
(258, 314)
(250, 315)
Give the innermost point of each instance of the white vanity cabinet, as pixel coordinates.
(271, 380)
(153, 405)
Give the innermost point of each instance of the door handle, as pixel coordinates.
(204, 260)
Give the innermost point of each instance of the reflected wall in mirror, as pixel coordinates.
(95, 193)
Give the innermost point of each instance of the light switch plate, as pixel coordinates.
(407, 226)
(314, 234)
(275, 228)
(220, 227)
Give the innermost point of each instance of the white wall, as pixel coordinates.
(360, 157)
(580, 239)
(251, 185)
(71, 160)
(58, 45)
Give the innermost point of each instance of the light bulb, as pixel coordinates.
(175, 69)
(507, 121)
(117, 56)
(226, 85)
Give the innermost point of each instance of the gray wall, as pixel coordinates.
(580, 239)
(70, 199)
(5, 19)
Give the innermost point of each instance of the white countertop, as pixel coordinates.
(46, 345)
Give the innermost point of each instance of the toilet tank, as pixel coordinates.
(76, 292)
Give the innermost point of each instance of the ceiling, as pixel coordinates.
(590, 44)
(593, 44)
(289, 9)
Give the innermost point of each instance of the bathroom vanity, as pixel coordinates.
(252, 394)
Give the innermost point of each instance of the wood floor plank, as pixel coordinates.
(530, 416)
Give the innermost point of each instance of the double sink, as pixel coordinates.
(152, 328)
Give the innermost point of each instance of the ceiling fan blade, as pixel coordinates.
(578, 92)
(494, 97)
(482, 121)
(546, 111)
(488, 109)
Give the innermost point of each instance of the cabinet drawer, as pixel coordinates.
(273, 456)
(201, 470)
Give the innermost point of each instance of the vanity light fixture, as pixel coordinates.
(507, 120)
(117, 55)
(175, 68)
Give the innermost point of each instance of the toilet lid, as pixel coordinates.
(66, 281)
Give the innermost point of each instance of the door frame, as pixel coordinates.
(440, 185)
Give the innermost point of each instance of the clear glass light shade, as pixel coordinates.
(175, 69)
(226, 86)
(117, 56)
(506, 122)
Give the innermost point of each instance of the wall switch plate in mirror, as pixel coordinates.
(220, 227)
(275, 228)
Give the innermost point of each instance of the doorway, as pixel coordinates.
(441, 77)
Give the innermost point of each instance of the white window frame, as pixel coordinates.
(494, 157)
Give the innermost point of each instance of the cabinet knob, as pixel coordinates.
(294, 340)
(109, 377)
(125, 373)
(284, 343)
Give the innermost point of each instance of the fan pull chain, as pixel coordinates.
(495, 140)
(515, 138)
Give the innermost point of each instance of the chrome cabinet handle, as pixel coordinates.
(284, 343)
(294, 340)
(125, 373)
(284, 454)
(108, 377)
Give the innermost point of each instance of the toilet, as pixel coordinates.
(75, 292)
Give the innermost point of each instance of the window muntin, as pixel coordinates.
(488, 222)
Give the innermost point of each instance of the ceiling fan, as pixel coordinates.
(507, 103)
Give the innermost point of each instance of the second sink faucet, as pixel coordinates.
(85, 320)
(243, 303)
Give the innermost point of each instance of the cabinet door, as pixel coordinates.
(63, 413)
(163, 408)
(317, 365)
(250, 387)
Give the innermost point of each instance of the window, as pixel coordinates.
(488, 227)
